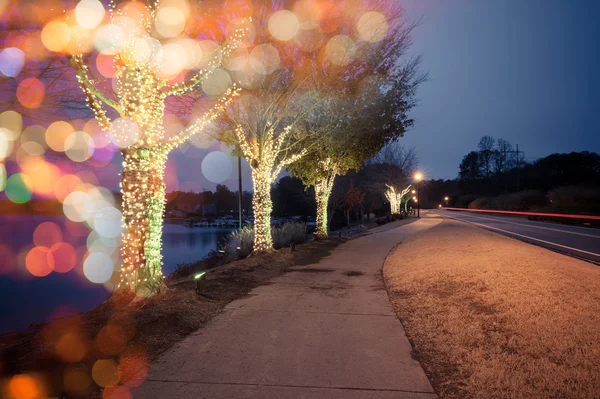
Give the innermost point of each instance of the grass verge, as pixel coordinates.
(492, 317)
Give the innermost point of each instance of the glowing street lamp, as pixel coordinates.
(446, 199)
(418, 177)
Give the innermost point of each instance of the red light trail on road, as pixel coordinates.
(560, 215)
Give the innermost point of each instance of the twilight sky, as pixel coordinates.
(524, 70)
(527, 71)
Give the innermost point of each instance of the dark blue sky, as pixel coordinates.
(527, 71)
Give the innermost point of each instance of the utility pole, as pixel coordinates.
(240, 190)
(519, 168)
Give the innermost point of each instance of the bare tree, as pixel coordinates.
(350, 197)
(503, 156)
(486, 151)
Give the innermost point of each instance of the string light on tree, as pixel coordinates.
(141, 92)
(266, 162)
(395, 198)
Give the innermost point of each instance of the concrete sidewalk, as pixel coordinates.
(320, 331)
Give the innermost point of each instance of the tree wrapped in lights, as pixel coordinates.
(390, 173)
(139, 106)
(395, 198)
(352, 131)
(337, 145)
(374, 89)
(267, 130)
(266, 160)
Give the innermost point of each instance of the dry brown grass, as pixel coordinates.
(492, 317)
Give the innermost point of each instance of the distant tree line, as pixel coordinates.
(496, 176)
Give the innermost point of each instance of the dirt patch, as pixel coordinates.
(492, 317)
(354, 274)
(128, 334)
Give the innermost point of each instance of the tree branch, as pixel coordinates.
(88, 86)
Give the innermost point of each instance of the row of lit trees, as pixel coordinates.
(320, 102)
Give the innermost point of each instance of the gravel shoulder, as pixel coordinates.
(493, 317)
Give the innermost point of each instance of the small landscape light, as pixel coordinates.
(200, 281)
(199, 275)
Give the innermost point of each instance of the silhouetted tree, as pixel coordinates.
(470, 167)
(351, 197)
(486, 154)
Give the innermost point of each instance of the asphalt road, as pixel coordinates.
(581, 242)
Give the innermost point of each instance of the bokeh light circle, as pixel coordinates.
(89, 13)
(105, 372)
(216, 83)
(12, 60)
(340, 50)
(79, 146)
(6, 143)
(74, 206)
(56, 36)
(170, 21)
(23, 386)
(98, 267)
(57, 134)
(283, 25)
(31, 92)
(12, 122)
(264, 59)
(16, 190)
(372, 26)
(39, 261)
(107, 222)
(216, 167)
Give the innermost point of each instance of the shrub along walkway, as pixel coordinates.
(320, 331)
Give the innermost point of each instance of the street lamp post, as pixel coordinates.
(418, 178)
(446, 199)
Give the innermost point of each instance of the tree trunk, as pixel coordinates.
(262, 204)
(347, 212)
(143, 188)
(322, 193)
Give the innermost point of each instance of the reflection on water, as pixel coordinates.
(184, 244)
(25, 299)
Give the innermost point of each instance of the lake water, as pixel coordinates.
(25, 299)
